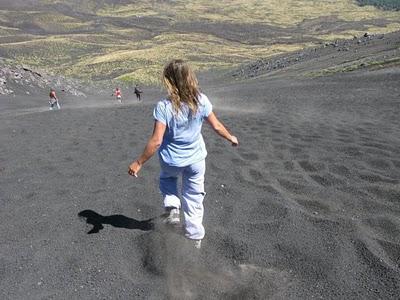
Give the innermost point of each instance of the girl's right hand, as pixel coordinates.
(234, 141)
(134, 168)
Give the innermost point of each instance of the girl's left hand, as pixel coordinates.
(134, 168)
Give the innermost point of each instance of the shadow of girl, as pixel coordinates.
(120, 221)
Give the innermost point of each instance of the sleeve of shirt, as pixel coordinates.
(159, 113)
(207, 107)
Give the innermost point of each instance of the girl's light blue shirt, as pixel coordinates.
(183, 143)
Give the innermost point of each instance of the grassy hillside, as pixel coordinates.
(132, 40)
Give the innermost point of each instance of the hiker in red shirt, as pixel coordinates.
(118, 95)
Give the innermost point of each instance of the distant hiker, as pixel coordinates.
(53, 100)
(137, 93)
(118, 95)
(181, 149)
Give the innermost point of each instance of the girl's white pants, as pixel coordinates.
(192, 193)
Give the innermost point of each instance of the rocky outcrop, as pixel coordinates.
(334, 50)
(19, 80)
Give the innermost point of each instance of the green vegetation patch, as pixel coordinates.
(49, 52)
(143, 61)
(384, 4)
(273, 12)
(8, 31)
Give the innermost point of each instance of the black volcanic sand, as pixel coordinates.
(307, 207)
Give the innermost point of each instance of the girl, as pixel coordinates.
(181, 148)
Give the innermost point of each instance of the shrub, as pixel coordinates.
(384, 4)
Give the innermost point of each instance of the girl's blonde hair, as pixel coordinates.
(182, 85)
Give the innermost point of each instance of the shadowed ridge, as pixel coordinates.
(119, 221)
